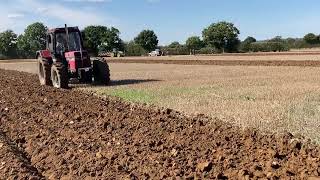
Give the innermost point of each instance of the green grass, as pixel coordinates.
(132, 95)
(149, 96)
(173, 91)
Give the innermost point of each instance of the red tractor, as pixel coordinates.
(65, 59)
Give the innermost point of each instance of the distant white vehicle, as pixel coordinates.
(156, 52)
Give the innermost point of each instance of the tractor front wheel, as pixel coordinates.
(101, 72)
(44, 72)
(59, 76)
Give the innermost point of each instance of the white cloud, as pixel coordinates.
(56, 14)
(41, 9)
(71, 16)
(11, 18)
(15, 15)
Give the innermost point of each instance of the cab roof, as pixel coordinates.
(63, 30)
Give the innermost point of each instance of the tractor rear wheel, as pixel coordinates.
(101, 72)
(86, 77)
(59, 76)
(44, 72)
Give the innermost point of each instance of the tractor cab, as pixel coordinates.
(62, 40)
(66, 46)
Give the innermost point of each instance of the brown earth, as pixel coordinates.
(296, 53)
(311, 59)
(291, 56)
(222, 62)
(67, 134)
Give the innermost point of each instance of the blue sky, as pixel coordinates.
(172, 20)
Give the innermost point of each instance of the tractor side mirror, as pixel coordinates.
(49, 39)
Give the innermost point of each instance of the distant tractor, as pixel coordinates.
(114, 53)
(156, 52)
(65, 59)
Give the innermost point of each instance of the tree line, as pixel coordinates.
(97, 39)
(218, 37)
(223, 37)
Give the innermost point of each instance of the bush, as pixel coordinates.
(133, 49)
(245, 45)
(207, 50)
(269, 47)
(311, 38)
(2, 57)
(299, 44)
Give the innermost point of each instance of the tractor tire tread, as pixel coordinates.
(101, 71)
(47, 72)
(63, 75)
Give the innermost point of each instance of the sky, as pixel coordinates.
(172, 20)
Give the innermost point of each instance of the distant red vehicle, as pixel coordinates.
(65, 59)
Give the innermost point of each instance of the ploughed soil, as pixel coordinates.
(296, 53)
(47, 133)
(221, 62)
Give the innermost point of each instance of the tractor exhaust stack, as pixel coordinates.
(67, 36)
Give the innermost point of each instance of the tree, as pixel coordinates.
(221, 35)
(277, 39)
(33, 39)
(311, 38)
(101, 39)
(246, 44)
(8, 43)
(194, 43)
(174, 44)
(277, 44)
(111, 40)
(249, 40)
(147, 39)
(291, 42)
(93, 36)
